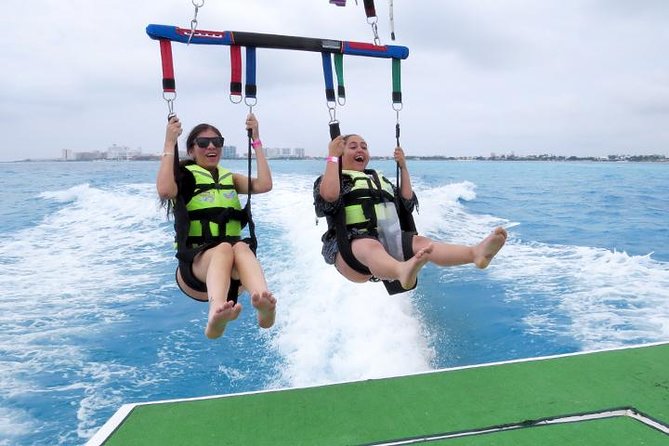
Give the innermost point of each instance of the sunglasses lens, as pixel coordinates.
(203, 142)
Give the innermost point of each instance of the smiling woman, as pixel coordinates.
(365, 240)
(214, 262)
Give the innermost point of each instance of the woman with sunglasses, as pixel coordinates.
(213, 262)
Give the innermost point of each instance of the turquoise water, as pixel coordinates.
(92, 319)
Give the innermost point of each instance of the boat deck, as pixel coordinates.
(612, 397)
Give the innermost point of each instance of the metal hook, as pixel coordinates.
(372, 22)
(250, 102)
(332, 111)
(170, 101)
(193, 22)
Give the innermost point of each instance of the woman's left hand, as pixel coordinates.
(399, 157)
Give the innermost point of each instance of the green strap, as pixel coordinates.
(397, 81)
(339, 69)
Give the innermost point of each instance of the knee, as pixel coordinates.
(222, 249)
(366, 246)
(241, 248)
(419, 242)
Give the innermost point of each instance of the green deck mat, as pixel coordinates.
(421, 405)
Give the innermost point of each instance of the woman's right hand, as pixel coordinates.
(173, 131)
(336, 146)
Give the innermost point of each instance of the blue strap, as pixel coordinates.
(327, 75)
(250, 88)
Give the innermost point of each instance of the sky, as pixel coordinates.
(563, 77)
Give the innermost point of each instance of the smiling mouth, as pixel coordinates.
(359, 158)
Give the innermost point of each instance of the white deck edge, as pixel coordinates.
(558, 420)
(110, 425)
(115, 421)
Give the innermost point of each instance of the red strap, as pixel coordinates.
(235, 70)
(168, 67)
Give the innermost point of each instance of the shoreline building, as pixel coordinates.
(229, 152)
(284, 152)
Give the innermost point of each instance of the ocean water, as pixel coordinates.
(91, 318)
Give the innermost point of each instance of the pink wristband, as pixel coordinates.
(332, 159)
(256, 143)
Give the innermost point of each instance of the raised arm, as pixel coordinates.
(165, 183)
(263, 182)
(330, 188)
(405, 178)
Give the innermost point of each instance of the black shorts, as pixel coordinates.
(196, 284)
(189, 279)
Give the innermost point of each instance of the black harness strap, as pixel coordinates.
(407, 224)
(344, 244)
(251, 240)
(406, 219)
(181, 219)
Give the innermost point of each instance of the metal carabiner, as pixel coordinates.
(193, 22)
(372, 22)
(250, 103)
(170, 101)
(332, 111)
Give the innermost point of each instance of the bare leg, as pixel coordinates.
(253, 279)
(214, 267)
(445, 254)
(345, 270)
(372, 254)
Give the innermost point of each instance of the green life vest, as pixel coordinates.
(369, 200)
(214, 211)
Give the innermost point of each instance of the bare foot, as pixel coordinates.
(411, 267)
(219, 316)
(489, 247)
(265, 303)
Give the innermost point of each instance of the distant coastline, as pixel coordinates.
(557, 158)
(608, 158)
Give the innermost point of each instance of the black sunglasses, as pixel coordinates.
(203, 141)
